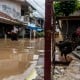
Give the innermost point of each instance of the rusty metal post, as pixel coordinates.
(47, 59)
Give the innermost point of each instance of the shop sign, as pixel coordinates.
(11, 11)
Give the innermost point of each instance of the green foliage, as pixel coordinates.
(78, 5)
(57, 8)
(40, 34)
(65, 7)
(68, 7)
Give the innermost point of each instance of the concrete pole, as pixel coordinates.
(47, 57)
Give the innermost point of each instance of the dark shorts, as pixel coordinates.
(14, 36)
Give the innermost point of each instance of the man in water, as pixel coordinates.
(14, 33)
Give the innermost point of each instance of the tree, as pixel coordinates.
(57, 8)
(68, 7)
(78, 5)
(65, 7)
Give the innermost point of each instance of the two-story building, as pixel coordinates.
(13, 12)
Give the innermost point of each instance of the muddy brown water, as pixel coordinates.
(15, 57)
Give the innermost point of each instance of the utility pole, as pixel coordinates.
(48, 36)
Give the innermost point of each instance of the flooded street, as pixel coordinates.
(15, 56)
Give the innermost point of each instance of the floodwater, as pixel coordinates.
(15, 56)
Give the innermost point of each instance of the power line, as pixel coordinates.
(37, 9)
(38, 5)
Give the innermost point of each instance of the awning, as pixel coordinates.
(4, 18)
(32, 26)
(38, 29)
(68, 18)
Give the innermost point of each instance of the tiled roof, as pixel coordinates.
(7, 19)
(4, 15)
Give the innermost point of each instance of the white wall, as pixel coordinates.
(13, 8)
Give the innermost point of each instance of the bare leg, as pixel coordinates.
(65, 55)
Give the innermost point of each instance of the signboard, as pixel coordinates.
(10, 11)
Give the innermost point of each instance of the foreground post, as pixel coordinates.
(48, 27)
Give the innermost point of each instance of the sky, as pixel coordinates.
(39, 5)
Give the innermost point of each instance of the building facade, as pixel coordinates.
(11, 8)
(12, 12)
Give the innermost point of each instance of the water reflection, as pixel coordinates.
(15, 57)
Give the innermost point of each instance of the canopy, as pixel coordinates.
(32, 26)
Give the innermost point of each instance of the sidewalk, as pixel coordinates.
(72, 72)
(69, 72)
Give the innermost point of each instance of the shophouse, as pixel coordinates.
(13, 12)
